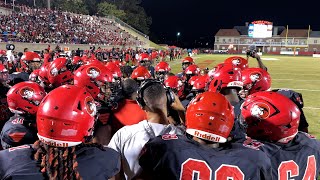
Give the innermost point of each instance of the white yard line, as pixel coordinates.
(298, 74)
(296, 79)
(313, 108)
(313, 90)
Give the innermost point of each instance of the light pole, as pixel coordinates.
(178, 35)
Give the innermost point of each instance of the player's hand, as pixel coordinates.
(177, 105)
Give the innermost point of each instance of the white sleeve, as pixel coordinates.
(115, 142)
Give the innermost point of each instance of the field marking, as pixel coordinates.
(297, 74)
(270, 59)
(313, 108)
(296, 79)
(313, 90)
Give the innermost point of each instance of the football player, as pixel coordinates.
(274, 120)
(204, 153)
(98, 80)
(257, 79)
(161, 70)
(23, 100)
(4, 88)
(128, 141)
(65, 120)
(226, 79)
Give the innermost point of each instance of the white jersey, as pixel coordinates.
(129, 141)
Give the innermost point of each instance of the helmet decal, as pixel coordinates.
(254, 77)
(27, 92)
(236, 62)
(54, 71)
(260, 110)
(93, 72)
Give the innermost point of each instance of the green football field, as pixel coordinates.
(301, 74)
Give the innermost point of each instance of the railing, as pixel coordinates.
(265, 43)
(8, 38)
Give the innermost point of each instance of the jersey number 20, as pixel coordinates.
(193, 169)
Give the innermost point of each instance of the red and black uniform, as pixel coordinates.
(179, 157)
(93, 163)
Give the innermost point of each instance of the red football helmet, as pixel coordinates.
(34, 75)
(141, 73)
(4, 73)
(144, 59)
(192, 80)
(161, 69)
(270, 116)
(30, 61)
(66, 116)
(187, 61)
(58, 73)
(225, 76)
(200, 84)
(77, 61)
(176, 84)
(192, 70)
(96, 78)
(210, 117)
(43, 74)
(237, 61)
(115, 70)
(255, 80)
(25, 97)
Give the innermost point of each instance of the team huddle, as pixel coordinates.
(82, 117)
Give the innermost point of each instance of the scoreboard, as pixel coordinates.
(260, 29)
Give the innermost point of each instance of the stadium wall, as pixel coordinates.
(41, 46)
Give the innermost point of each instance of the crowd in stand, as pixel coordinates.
(51, 26)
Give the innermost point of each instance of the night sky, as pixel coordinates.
(199, 20)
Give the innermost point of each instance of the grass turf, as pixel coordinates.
(299, 73)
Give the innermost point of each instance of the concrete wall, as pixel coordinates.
(39, 47)
(5, 11)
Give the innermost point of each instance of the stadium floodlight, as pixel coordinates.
(178, 35)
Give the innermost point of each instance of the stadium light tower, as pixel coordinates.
(178, 35)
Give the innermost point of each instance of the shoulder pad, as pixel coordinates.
(309, 135)
(252, 143)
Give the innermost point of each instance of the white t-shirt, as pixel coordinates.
(129, 141)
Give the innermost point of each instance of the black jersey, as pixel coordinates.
(178, 157)
(93, 163)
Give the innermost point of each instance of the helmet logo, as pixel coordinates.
(254, 77)
(260, 110)
(91, 106)
(27, 92)
(93, 72)
(54, 71)
(236, 62)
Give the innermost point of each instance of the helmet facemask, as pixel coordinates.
(185, 65)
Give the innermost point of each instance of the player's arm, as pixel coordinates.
(260, 63)
(177, 105)
(253, 54)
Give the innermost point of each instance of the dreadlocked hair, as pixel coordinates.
(59, 163)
